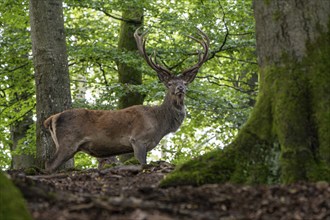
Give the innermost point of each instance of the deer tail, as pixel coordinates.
(50, 124)
(48, 121)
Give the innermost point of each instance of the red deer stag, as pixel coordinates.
(135, 129)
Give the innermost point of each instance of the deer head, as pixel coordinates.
(176, 84)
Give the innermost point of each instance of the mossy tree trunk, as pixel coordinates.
(21, 152)
(51, 70)
(18, 131)
(287, 136)
(129, 74)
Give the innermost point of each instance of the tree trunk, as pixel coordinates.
(51, 70)
(21, 150)
(18, 131)
(128, 74)
(286, 138)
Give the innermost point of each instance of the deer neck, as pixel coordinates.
(172, 112)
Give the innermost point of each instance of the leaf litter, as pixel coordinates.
(132, 193)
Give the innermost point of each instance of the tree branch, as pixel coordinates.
(21, 116)
(132, 21)
(15, 68)
(213, 53)
(232, 87)
(240, 60)
(104, 76)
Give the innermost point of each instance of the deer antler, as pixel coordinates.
(162, 72)
(202, 56)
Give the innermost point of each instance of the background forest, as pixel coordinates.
(275, 166)
(218, 102)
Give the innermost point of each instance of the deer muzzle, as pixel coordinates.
(180, 90)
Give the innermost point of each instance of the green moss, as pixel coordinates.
(128, 73)
(245, 160)
(12, 204)
(31, 170)
(294, 164)
(286, 138)
(318, 65)
(301, 112)
(305, 122)
(214, 167)
(318, 172)
(259, 124)
(267, 2)
(257, 162)
(109, 165)
(291, 124)
(277, 15)
(132, 161)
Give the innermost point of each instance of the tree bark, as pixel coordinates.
(51, 70)
(18, 131)
(128, 74)
(286, 138)
(21, 150)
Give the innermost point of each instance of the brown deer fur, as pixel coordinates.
(135, 129)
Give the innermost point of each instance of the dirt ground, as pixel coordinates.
(132, 193)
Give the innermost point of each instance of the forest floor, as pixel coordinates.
(132, 193)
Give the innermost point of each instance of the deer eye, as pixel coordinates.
(169, 84)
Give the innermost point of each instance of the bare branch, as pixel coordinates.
(240, 60)
(213, 53)
(104, 75)
(117, 17)
(6, 70)
(232, 87)
(132, 21)
(208, 77)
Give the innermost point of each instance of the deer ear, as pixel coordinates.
(164, 77)
(189, 76)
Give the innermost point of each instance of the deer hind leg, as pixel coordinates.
(60, 157)
(65, 151)
(140, 150)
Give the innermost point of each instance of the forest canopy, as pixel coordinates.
(218, 102)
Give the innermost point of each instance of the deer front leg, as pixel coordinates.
(140, 151)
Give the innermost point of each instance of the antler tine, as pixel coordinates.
(202, 57)
(141, 45)
(140, 42)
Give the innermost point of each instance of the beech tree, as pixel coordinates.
(286, 138)
(18, 131)
(129, 74)
(51, 70)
